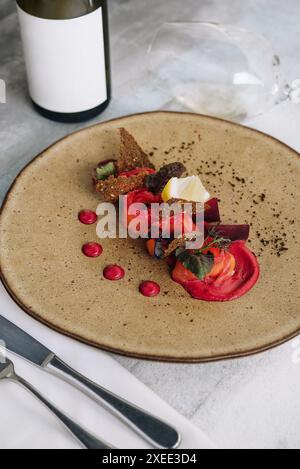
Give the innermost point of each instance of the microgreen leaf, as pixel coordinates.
(196, 262)
(103, 172)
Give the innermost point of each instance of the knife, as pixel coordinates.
(157, 432)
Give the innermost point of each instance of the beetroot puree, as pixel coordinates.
(114, 272)
(149, 288)
(245, 276)
(92, 249)
(87, 217)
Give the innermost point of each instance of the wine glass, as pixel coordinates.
(214, 69)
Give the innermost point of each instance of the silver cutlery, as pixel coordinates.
(88, 440)
(159, 433)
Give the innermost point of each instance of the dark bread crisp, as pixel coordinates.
(112, 187)
(131, 154)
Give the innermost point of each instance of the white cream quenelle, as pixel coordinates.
(190, 189)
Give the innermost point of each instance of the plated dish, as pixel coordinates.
(46, 271)
(180, 221)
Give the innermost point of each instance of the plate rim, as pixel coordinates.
(157, 358)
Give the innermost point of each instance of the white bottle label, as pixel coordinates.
(65, 61)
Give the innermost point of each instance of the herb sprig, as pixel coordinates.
(217, 242)
(103, 172)
(200, 261)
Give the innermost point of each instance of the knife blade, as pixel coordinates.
(151, 428)
(19, 342)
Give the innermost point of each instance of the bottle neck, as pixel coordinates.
(59, 9)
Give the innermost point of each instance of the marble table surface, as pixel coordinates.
(252, 402)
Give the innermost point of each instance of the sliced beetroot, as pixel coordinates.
(232, 232)
(211, 213)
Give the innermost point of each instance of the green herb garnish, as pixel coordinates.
(103, 172)
(198, 262)
(220, 243)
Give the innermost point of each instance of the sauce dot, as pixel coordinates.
(92, 249)
(149, 288)
(87, 217)
(113, 272)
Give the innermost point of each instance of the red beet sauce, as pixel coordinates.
(149, 288)
(87, 217)
(92, 249)
(114, 272)
(245, 276)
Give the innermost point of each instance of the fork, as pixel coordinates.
(89, 441)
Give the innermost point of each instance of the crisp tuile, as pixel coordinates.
(179, 242)
(211, 210)
(131, 154)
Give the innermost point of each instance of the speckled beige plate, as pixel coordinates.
(257, 180)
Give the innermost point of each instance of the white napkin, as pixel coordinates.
(25, 423)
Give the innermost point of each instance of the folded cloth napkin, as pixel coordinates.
(25, 423)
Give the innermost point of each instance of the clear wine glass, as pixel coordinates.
(215, 69)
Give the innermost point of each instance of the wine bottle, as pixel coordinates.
(66, 49)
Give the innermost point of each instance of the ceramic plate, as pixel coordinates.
(257, 180)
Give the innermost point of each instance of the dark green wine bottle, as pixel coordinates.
(66, 49)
